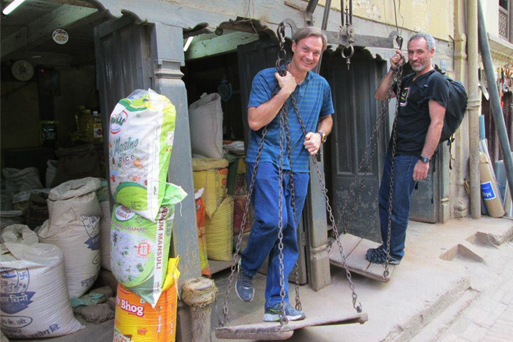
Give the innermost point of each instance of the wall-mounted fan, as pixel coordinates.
(22, 70)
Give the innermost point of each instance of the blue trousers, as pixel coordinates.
(263, 239)
(403, 189)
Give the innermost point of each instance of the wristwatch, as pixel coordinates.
(424, 159)
(323, 136)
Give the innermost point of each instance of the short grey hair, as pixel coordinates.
(430, 41)
(308, 32)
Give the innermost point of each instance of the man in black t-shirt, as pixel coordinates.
(423, 97)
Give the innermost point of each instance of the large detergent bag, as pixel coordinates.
(141, 138)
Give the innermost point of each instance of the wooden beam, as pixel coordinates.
(218, 45)
(188, 13)
(44, 58)
(80, 3)
(62, 17)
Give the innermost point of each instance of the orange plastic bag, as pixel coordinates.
(137, 321)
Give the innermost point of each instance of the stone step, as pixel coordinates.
(437, 327)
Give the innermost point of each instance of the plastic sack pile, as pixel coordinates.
(141, 138)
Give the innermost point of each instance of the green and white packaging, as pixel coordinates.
(141, 135)
(140, 247)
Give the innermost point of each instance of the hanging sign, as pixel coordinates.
(60, 36)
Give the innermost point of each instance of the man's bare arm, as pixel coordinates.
(386, 82)
(260, 116)
(437, 114)
(313, 139)
(325, 124)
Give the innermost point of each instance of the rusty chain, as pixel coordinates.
(358, 307)
(372, 141)
(283, 317)
(298, 305)
(281, 68)
(398, 80)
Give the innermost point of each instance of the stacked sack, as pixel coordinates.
(140, 143)
(74, 227)
(136, 317)
(16, 202)
(35, 301)
(211, 174)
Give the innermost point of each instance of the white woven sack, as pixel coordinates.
(51, 170)
(206, 124)
(79, 238)
(20, 180)
(105, 222)
(79, 194)
(34, 295)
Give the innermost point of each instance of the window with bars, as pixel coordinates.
(504, 19)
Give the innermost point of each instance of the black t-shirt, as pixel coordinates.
(413, 119)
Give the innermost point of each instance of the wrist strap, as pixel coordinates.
(323, 136)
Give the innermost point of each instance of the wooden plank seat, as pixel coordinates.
(355, 249)
(274, 331)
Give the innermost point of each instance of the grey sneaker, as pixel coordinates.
(272, 314)
(244, 287)
(378, 256)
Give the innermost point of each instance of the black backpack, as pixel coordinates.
(456, 109)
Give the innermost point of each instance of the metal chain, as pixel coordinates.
(298, 305)
(222, 322)
(283, 317)
(374, 141)
(281, 68)
(358, 307)
(398, 79)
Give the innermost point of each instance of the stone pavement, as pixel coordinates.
(455, 284)
(485, 311)
(446, 268)
(490, 317)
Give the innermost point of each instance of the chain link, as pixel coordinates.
(398, 80)
(281, 68)
(283, 318)
(358, 307)
(374, 140)
(222, 322)
(298, 305)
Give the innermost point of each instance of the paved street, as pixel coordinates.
(490, 317)
(448, 269)
(455, 285)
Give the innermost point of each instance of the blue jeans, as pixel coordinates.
(263, 239)
(403, 189)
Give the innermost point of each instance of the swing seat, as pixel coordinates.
(274, 331)
(355, 249)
